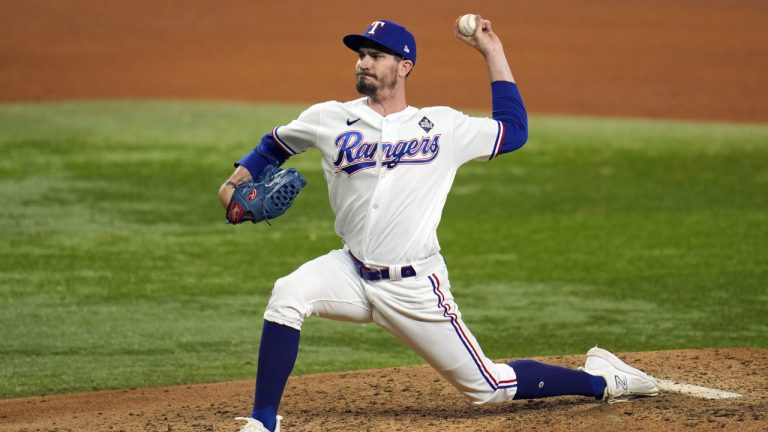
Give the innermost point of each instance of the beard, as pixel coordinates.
(366, 87)
(372, 87)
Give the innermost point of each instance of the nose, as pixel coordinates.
(364, 63)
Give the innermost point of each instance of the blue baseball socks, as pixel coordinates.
(278, 350)
(538, 380)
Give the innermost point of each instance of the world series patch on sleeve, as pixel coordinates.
(265, 198)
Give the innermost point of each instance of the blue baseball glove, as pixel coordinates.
(265, 198)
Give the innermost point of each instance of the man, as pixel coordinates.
(389, 167)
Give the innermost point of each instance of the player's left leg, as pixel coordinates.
(422, 313)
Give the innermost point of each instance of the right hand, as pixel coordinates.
(228, 188)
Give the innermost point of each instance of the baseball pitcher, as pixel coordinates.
(389, 168)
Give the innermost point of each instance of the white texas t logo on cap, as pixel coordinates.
(374, 26)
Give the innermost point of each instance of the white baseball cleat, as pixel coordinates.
(254, 425)
(623, 381)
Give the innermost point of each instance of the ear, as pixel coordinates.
(404, 68)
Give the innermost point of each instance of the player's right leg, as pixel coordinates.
(328, 286)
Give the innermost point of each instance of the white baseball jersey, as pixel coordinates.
(389, 176)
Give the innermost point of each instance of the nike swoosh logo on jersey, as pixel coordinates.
(351, 122)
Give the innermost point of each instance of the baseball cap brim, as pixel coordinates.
(355, 41)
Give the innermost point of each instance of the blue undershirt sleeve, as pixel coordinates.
(508, 109)
(266, 153)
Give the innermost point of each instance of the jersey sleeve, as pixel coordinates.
(301, 134)
(475, 138)
(268, 152)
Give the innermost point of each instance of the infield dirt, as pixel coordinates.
(417, 399)
(701, 60)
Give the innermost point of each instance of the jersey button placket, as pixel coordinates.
(370, 223)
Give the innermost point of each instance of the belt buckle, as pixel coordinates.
(369, 273)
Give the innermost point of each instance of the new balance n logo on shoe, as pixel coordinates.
(621, 383)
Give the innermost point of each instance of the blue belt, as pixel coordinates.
(372, 274)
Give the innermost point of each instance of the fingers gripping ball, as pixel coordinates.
(467, 25)
(265, 198)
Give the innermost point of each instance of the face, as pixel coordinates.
(376, 71)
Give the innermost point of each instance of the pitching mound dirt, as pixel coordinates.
(417, 399)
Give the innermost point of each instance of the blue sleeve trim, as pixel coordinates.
(499, 139)
(508, 109)
(286, 148)
(266, 153)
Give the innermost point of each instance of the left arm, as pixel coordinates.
(489, 45)
(507, 103)
(508, 109)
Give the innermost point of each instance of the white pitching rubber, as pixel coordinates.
(694, 390)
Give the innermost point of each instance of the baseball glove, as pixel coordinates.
(265, 198)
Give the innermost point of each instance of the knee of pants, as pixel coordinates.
(491, 396)
(480, 397)
(287, 304)
(480, 393)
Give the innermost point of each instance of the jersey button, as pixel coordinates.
(375, 206)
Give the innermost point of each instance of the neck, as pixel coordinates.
(388, 102)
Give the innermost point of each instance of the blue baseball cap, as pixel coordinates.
(388, 34)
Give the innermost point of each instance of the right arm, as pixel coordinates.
(228, 188)
(251, 165)
(274, 149)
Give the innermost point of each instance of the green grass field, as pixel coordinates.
(117, 269)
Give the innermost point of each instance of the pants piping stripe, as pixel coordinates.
(489, 378)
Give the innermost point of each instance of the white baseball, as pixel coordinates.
(467, 25)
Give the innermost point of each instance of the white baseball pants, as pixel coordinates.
(420, 311)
